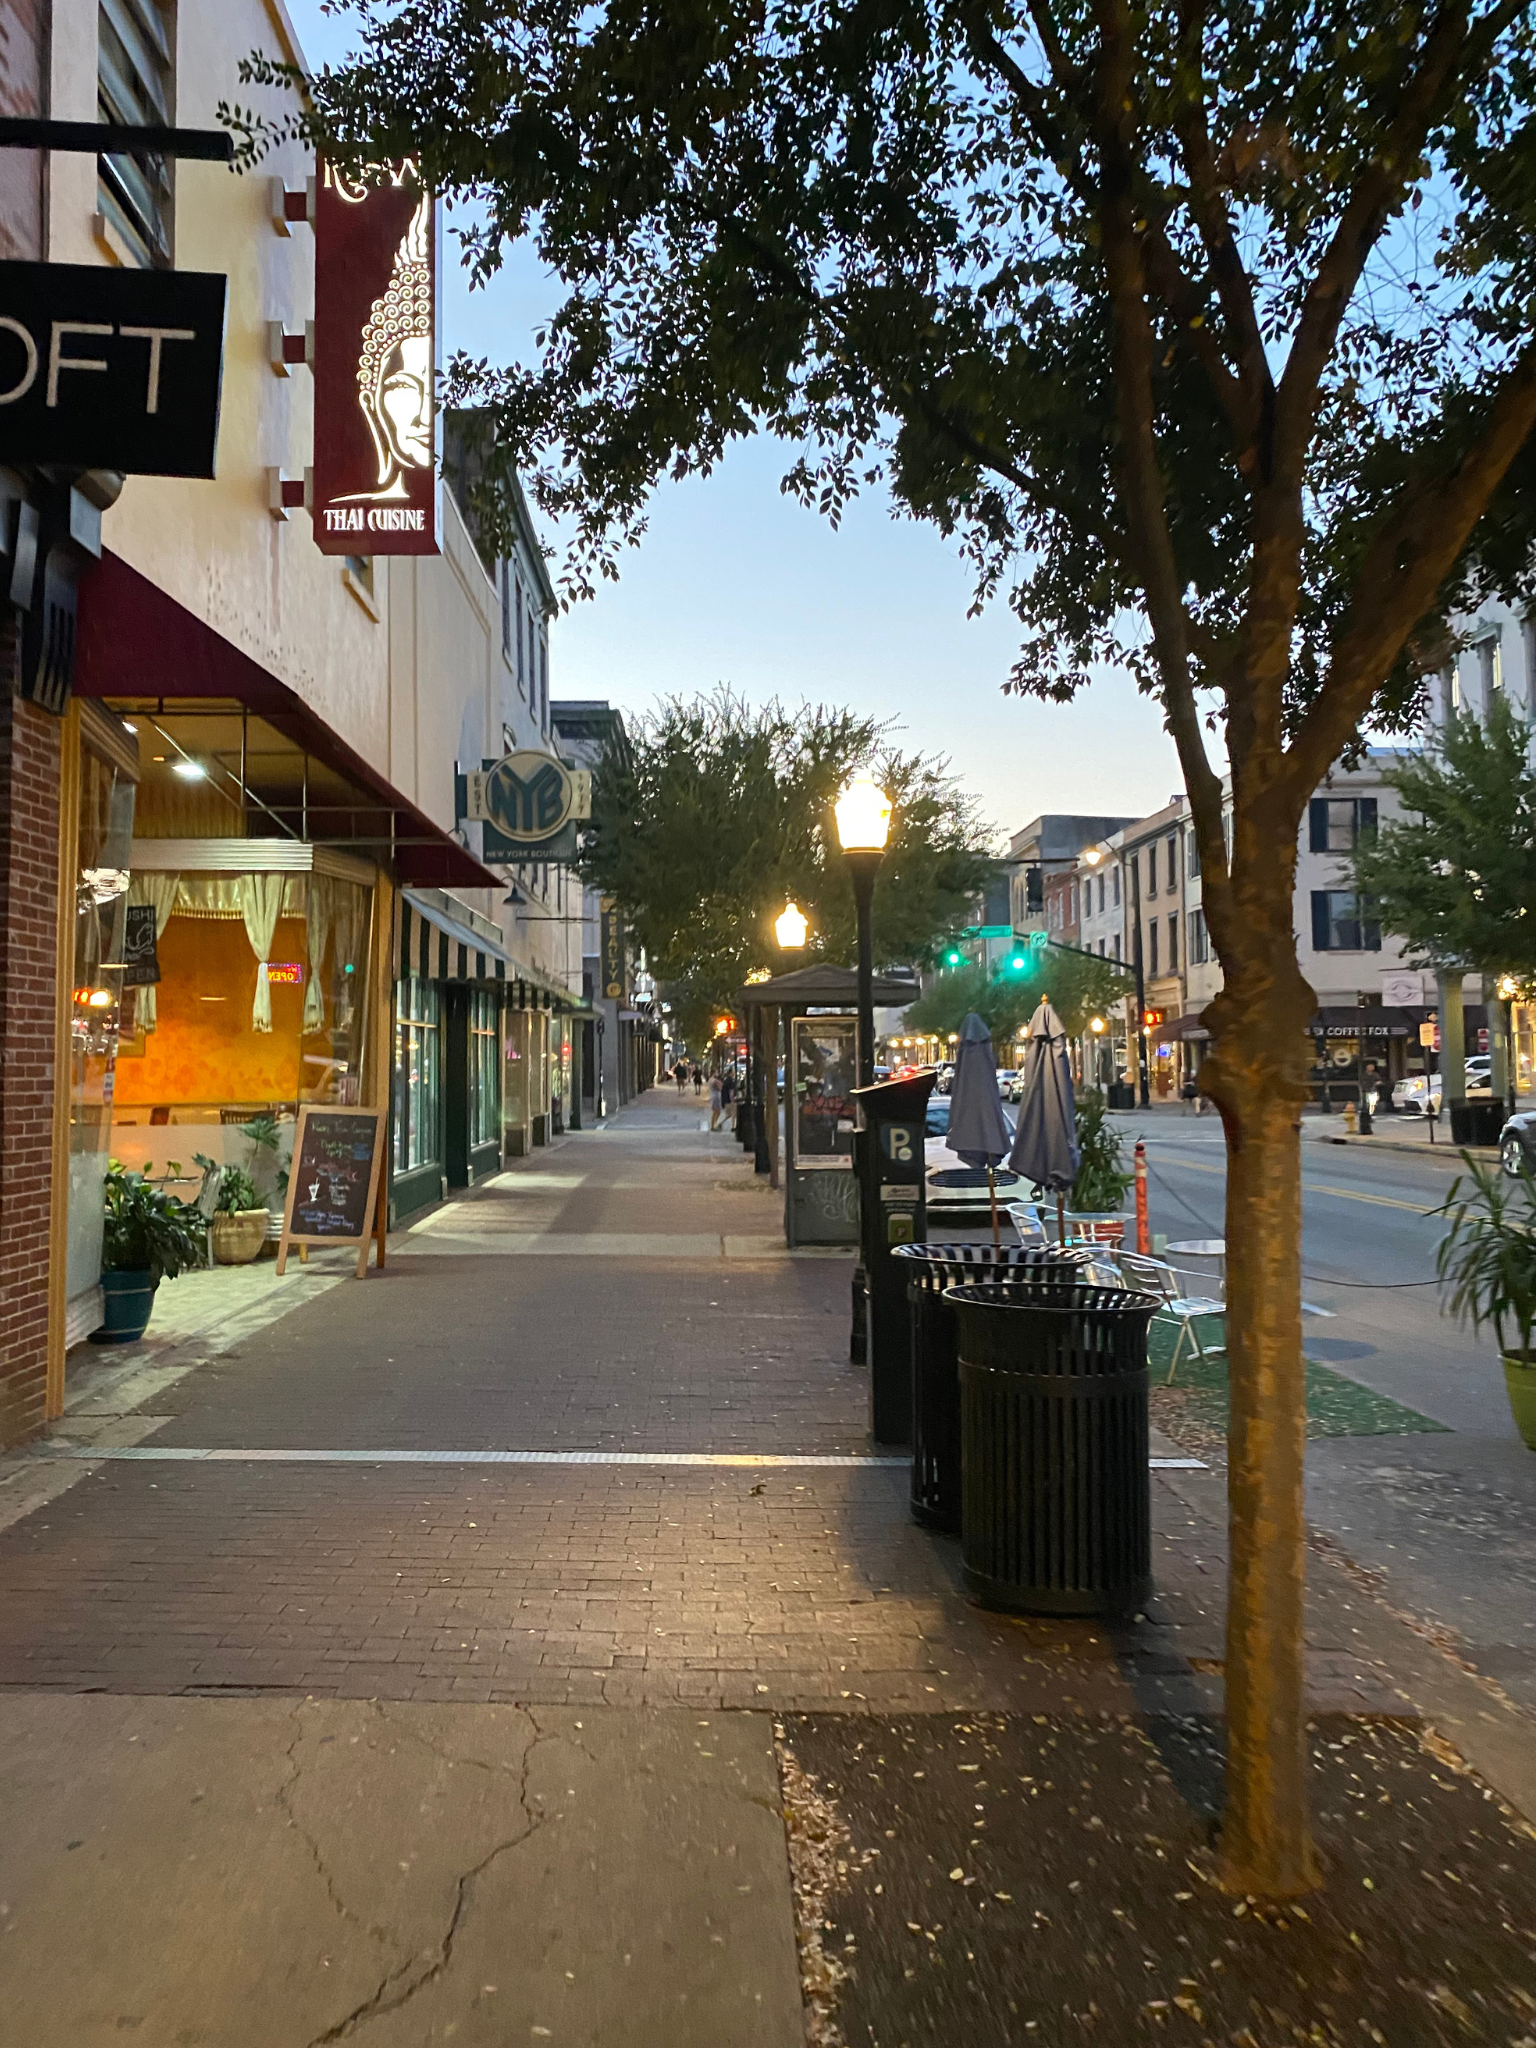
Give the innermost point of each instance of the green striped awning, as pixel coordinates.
(439, 947)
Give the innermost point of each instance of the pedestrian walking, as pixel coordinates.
(680, 1075)
(716, 1101)
(698, 1077)
(1190, 1096)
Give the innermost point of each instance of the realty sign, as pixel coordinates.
(111, 369)
(529, 804)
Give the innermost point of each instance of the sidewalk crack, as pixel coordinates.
(403, 1982)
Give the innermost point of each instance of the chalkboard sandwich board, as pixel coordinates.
(333, 1183)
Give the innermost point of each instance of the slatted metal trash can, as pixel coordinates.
(1055, 1509)
(931, 1270)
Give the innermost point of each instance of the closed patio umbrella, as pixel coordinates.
(978, 1130)
(1045, 1137)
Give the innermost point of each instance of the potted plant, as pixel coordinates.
(148, 1236)
(240, 1217)
(1099, 1189)
(1487, 1267)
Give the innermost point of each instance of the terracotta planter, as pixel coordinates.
(1096, 1227)
(1520, 1383)
(237, 1235)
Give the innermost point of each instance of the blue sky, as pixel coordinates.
(736, 584)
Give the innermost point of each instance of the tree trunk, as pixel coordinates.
(1256, 1078)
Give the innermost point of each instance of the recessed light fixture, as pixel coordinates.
(190, 771)
(157, 757)
(129, 725)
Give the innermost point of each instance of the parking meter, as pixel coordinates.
(892, 1211)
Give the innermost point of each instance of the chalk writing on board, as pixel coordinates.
(332, 1175)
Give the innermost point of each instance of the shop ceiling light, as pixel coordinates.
(190, 771)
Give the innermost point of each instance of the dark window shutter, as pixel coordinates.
(1319, 912)
(1365, 822)
(1317, 814)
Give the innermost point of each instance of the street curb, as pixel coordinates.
(1410, 1146)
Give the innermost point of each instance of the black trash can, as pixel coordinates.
(1055, 1510)
(931, 1269)
(1477, 1121)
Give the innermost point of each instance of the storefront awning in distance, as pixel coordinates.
(135, 644)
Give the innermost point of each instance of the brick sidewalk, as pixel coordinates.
(618, 1297)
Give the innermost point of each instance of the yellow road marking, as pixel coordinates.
(1319, 1187)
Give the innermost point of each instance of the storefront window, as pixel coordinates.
(253, 1000)
(101, 884)
(484, 1068)
(418, 1082)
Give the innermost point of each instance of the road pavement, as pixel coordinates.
(1448, 1521)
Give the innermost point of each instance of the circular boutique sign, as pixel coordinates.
(529, 795)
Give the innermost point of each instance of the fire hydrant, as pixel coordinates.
(1349, 1118)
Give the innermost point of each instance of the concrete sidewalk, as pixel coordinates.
(344, 1733)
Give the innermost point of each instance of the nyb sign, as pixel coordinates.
(111, 369)
(529, 804)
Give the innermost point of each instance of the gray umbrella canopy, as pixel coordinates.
(978, 1130)
(1045, 1139)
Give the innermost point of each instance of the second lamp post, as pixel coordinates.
(863, 814)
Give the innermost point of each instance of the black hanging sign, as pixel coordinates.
(111, 369)
(141, 958)
(333, 1182)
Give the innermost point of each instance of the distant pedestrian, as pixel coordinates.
(680, 1075)
(716, 1101)
(1190, 1095)
(698, 1078)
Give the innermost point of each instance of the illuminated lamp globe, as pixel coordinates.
(863, 814)
(1095, 1023)
(790, 927)
(1093, 855)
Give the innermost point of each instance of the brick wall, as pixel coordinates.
(29, 838)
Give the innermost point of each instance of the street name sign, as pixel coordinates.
(111, 369)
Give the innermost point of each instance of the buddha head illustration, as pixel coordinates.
(394, 371)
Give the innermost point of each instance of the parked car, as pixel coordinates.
(1409, 1094)
(960, 1196)
(1517, 1143)
(1007, 1081)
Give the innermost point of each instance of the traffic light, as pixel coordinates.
(953, 957)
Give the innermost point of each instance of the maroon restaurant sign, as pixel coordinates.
(375, 476)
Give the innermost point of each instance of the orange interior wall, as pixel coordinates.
(206, 1052)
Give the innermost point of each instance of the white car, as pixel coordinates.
(1007, 1081)
(1409, 1095)
(960, 1197)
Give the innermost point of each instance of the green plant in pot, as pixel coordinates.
(147, 1236)
(1487, 1268)
(1101, 1182)
(239, 1227)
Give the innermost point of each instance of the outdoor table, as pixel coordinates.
(1201, 1248)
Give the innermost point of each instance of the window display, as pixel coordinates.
(418, 1074)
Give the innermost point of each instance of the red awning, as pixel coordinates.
(135, 641)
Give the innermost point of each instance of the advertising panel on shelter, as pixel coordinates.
(375, 470)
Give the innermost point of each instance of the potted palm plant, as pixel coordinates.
(1099, 1189)
(1487, 1268)
(148, 1236)
(240, 1217)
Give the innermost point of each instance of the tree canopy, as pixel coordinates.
(1455, 878)
(718, 812)
(1079, 985)
(1204, 327)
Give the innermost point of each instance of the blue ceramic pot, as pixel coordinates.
(126, 1300)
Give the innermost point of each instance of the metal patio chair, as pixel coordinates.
(1185, 1311)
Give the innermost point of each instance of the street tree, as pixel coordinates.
(1455, 877)
(1079, 984)
(717, 812)
(1202, 326)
